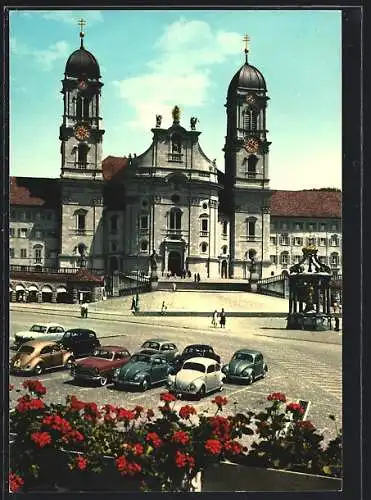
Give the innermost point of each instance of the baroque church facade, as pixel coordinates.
(171, 199)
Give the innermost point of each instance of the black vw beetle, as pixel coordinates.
(246, 365)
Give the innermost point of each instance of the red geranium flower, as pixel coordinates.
(182, 459)
(293, 407)
(81, 462)
(220, 401)
(277, 396)
(167, 397)
(15, 482)
(57, 423)
(186, 411)
(76, 404)
(180, 437)
(233, 447)
(305, 424)
(126, 415)
(154, 438)
(35, 386)
(213, 446)
(127, 468)
(109, 408)
(138, 449)
(41, 438)
(26, 403)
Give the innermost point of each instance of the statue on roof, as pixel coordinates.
(158, 121)
(193, 121)
(176, 114)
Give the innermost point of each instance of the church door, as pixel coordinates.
(224, 272)
(175, 263)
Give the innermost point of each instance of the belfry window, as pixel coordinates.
(82, 154)
(79, 108)
(250, 119)
(251, 166)
(175, 219)
(80, 220)
(251, 229)
(86, 108)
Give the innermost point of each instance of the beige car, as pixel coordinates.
(37, 356)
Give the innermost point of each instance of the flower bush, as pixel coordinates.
(163, 450)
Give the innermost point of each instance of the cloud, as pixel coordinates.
(181, 73)
(72, 16)
(44, 57)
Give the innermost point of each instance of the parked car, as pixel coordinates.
(81, 341)
(165, 347)
(145, 368)
(39, 331)
(101, 365)
(192, 351)
(37, 356)
(197, 377)
(245, 365)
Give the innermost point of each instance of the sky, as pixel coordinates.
(152, 60)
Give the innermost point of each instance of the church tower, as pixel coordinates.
(246, 153)
(81, 160)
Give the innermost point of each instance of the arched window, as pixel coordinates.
(80, 220)
(176, 144)
(334, 259)
(225, 227)
(79, 108)
(143, 222)
(144, 245)
(203, 247)
(285, 258)
(38, 253)
(204, 218)
(82, 154)
(175, 219)
(251, 166)
(86, 108)
(334, 240)
(250, 119)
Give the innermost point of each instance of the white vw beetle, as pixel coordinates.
(197, 377)
(40, 331)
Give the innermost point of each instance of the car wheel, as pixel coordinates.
(144, 385)
(69, 363)
(201, 393)
(103, 381)
(38, 370)
(249, 380)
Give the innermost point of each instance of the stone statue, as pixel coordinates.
(82, 251)
(194, 120)
(158, 120)
(176, 114)
(153, 261)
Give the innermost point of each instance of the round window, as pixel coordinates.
(204, 206)
(175, 198)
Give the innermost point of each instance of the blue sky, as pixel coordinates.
(152, 60)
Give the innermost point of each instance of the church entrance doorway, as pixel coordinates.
(175, 263)
(224, 269)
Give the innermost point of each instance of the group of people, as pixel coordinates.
(221, 316)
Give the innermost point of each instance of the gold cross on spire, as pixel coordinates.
(246, 39)
(81, 23)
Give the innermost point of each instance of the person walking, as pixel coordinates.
(198, 278)
(86, 309)
(163, 308)
(336, 310)
(214, 318)
(222, 318)
(174, 287)
(195, 278)
(133, 304)
(82, 310)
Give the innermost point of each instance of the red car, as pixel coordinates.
(100, 366)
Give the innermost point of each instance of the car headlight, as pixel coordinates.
(192, 386)
(246, 372)
(225, 369)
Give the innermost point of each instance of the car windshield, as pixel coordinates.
(195, 349)
(140, 358)
(194, 366)
(151, 345)
(244, 356)
(26, 349)
(103, 354)
(38, 328)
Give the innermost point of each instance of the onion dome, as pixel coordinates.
(247, 77)
(82, 63)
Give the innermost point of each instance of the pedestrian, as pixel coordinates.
(198, 277)
(222, 318)
(215, 317)
(163, 308)
(174, 286)
(189, 274)
(86, 309)
(82, 310)
(133, 304)
(195, 277)
(336, 310)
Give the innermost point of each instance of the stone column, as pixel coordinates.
(39, 297)
(54, 297)
(13, 296)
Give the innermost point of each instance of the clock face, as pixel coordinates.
(252, 145)
(82, 85)
(250, 99)
(81, 132)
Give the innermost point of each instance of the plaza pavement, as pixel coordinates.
(196, 309)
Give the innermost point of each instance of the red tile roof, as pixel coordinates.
(113, 167)
(34, 191)
(306, 203)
